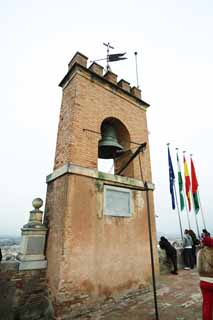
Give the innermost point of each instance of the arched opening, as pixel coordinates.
(114, 147)
(106, 165)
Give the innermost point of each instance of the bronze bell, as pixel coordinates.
(108, 145)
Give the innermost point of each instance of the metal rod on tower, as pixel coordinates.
(151, 250)
(111, 57)
(107, 59)
(136, 66)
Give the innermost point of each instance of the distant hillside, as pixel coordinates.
(170, 236)
(9, 240)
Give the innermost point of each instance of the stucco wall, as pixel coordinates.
(92, 256)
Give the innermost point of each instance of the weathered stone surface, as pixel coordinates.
(9, 266)
(178, 297)
(24, 295)
(31, 265)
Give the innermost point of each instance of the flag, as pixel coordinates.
(171, 179)
(116, 57)
(180, 183)
(187, 182)
(194, 188)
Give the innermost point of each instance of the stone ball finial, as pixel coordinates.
(37, 203)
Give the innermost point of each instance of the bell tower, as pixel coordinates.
(98, 244)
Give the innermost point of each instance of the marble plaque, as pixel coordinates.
(117, 201)
(35, 245)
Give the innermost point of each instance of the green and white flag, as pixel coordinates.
(180, 183)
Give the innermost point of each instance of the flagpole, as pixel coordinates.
(187, 211)
(136, 66)
(195, 188)
(173, 188)
(178, 210)
(186, 205)
(198, 233)
(201, 209)
(180, 185)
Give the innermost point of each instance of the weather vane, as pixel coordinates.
(111, 57)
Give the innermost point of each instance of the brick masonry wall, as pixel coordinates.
(85, 104)
(92, 257)
(24, 294)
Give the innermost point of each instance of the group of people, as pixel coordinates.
(189, 250)
(203, 260)
(190, 242)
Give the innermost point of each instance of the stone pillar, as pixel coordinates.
(31, 253)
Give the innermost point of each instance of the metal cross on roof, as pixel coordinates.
(113, 57)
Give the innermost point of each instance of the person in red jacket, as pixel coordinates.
(205, 269)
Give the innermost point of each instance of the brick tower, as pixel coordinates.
(98, 243)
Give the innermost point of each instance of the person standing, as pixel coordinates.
(0, 255)
(205, 270)
(187, 251)
(170, 252)
(204, 234)
(195, 242)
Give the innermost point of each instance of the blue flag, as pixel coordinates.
(171, 179)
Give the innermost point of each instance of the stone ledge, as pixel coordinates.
(32, 265)
(9, 265)
(93, 173)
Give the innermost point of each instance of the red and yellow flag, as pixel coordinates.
(187, 182)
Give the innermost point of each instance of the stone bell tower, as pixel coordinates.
(98, 242)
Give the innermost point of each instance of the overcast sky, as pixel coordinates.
(175, 59)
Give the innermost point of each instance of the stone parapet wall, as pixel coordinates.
(24, 294)
(165, 264)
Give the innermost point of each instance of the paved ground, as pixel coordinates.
(179, 298)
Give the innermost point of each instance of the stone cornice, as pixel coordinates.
(70, 168)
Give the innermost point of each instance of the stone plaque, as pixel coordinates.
(117, 201)
(35, 245)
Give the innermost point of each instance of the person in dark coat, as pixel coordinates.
(0, 255)
(195, 242)
(170, 252)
